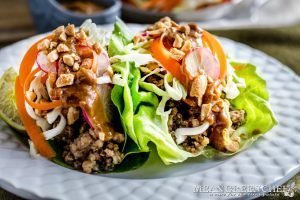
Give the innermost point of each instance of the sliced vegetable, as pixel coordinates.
(29, 60)
(254, 100)
(87, 119)
(49, 134)
(201, 58)
(33, 131)
(182, 133)
(102, 63)
(163, 55)
(39, 106)
(215, 46)
(44, 64)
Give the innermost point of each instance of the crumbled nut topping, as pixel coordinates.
(52, 56)
(65, 80)
(68, 60)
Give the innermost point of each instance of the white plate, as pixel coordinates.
(271, 161)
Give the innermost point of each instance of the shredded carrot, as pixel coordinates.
(163, 55)
(210, 41)
(32, 129)
(29, 60)
(39, 106)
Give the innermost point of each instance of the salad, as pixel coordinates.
(96, 104)
(174, 5)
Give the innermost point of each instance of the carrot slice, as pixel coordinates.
(163, 55)
(39, 106)
(29, 60)
(211, 42)
(32, 129)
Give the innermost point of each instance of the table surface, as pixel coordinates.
(282, 43)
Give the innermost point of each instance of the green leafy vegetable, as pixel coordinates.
(254, 100)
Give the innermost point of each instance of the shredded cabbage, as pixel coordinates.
(233, 83)
(139, 58)
(95, 34)
(176, 91)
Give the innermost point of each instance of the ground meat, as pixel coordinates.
(156, 80)
(195, 143)
(237, 118)
(90, 153)
(184, 115)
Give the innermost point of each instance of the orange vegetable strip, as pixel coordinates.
(29, 60)
(32, 129)
(163, 55)
(39, 106)
(216, 47)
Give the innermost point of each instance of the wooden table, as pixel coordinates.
(15, 21)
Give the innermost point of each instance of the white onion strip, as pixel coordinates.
(30, 111)
(57, 130)
(182, 133)
(32, 150)
(104, 79)
(53, 115)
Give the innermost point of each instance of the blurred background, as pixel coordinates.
(22, 18)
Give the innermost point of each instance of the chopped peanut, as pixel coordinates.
(61, 48)
(75, 67)
(178, 41)
(53, 45)
(52, 56)
(44, 45)
(62, 37)
(70, 30)
(187, 46)
(59, 30)
(65, 80)
(97, 48)
(81, 35)
(68, 60)
(176, 54)
(72, 115)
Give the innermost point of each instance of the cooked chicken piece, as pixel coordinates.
(198, 88)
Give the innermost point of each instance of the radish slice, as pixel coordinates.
(87, 119)
(103, 63)
(44, 64)
(201, 58)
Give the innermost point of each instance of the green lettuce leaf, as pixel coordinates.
(137, 109)
(254, 100)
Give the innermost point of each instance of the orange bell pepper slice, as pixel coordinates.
(32, 129)
(29, 60)
(163, 55)
(39, 106)
(212, 43)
